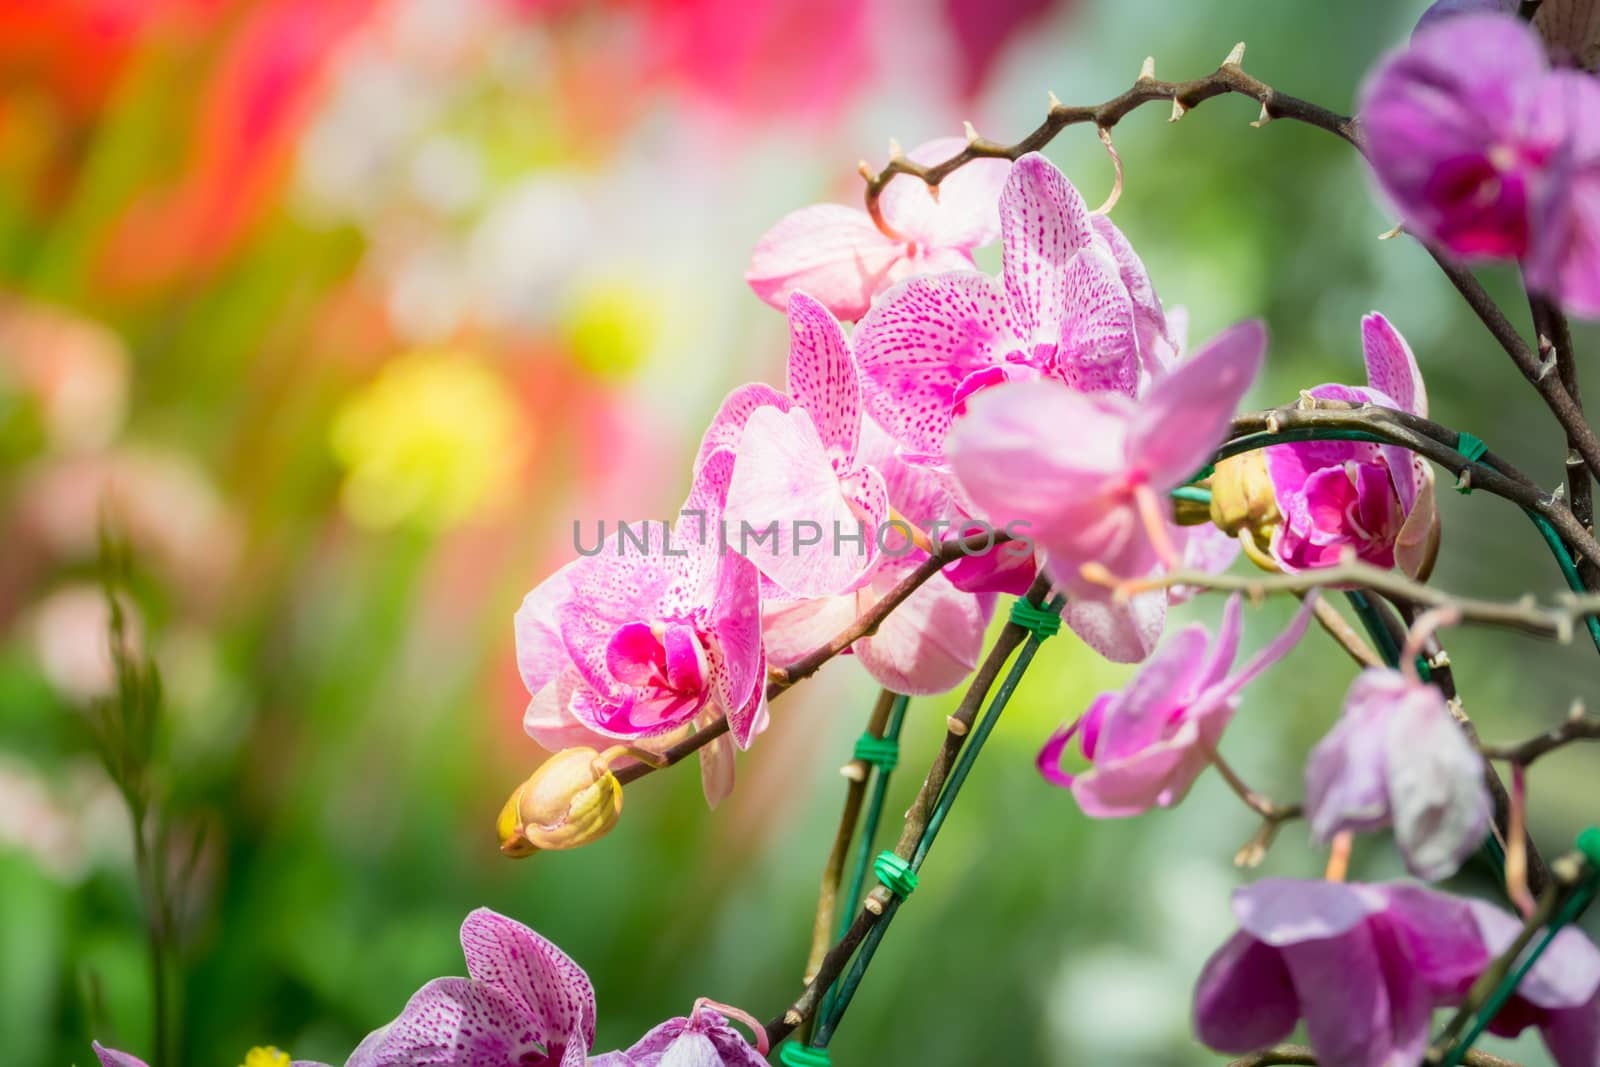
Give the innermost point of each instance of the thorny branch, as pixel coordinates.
(1185, 95)
(1578, 727)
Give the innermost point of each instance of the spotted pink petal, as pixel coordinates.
(622, 584)
(727, 426)
(1186, 416)
(833, 252)
(1391, 368)
(1163, 685)
(1044, 224)
(822, 378)
(541, 654)
(550, 988)
(1099, 350)
(550, 721)
(738, 664)
(917, 345)
(966, 214)
(456, 1022)
(1149, 319)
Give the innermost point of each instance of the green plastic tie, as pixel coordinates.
(895, 873)
(882, 752)
(1472, 448)
(1589, 844)
(1041, 622)
(795, 1054)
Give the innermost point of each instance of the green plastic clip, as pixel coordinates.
(795, 1054)
(895, 873)
(882, 752)
(1041, 622)
(1473, 449)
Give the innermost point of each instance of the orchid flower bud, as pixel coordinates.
(1243, 501)
(571, 800)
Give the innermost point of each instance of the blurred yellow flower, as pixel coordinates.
(266, 1057)
(611, 326)
(431, 441)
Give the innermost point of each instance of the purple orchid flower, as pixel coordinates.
(1147, 744)
(525, 1002)
(1570, 28)
(1374, 499)
(1398, 758)
(1086, 474)
(1363, 965)
(838, 255)
(1072, 305)
(1489, 154)
(798, 470)
(655, 631)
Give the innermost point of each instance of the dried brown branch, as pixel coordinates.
(1578, 727)
(1302, 1056)
(1550, 325)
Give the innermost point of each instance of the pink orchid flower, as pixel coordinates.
(1087, 474)
(1072, 305)
(1490, 154)
(935, 637)
(655, 629)
(524, 1002)
(1147, 744)
(839, 256)
(1374, 499)
(1363, 965)
(1398, 758)
(1560, 995)
(801, 503)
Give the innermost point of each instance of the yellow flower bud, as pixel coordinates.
(571, 800)
(1244, 504)
(266, 1057)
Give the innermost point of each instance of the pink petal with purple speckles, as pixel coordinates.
(456, 1022)
(1044, 224)
(1149, 319)
(634, 654)
(1121, 632)
(822, 378)
(512, 959)
(727, 425)
(932, 641)
(919, 342)
(1098, 350)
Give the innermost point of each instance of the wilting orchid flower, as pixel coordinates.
(802, 504)
(655, 629)
(1398, 758)
(1088, 473)
(256, 1057)
(1374, 499)
(1489, 154)
(1363, 965)
(1147, 744)
(525, 1002)
(1061, 311)
(838, 255)
(1560, 995)
(704, 1039)
(934, 638)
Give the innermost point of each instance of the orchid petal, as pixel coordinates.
(833, 252)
